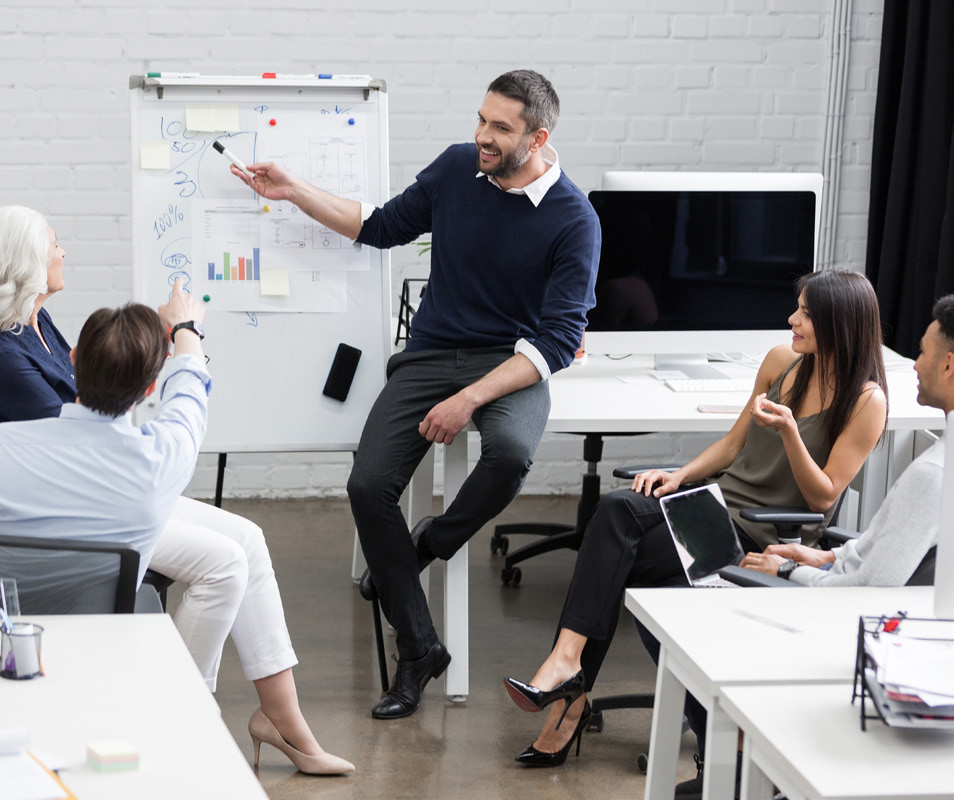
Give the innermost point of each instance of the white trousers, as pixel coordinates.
(224, 563)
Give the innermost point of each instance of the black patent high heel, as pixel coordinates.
(530, 698)
(537, 758)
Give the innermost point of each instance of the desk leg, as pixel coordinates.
(666, 732)
(722, 746)
(755, 784)
(456, 589)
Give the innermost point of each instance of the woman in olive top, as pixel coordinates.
(818, 407)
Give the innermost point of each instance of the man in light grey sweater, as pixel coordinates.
(906, 525)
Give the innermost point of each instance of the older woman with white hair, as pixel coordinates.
(220, 557)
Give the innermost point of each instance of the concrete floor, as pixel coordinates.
(445, 750)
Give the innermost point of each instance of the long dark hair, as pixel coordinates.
(847, 325)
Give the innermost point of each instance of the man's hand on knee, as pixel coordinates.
(446, 419)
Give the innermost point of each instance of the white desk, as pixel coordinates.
(709, 642)
(806, 739)
(590, 398)
(129, 677)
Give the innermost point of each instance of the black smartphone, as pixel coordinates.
(342, 372)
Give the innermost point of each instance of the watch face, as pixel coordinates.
(786, 569)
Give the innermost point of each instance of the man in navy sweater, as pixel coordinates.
(515, 249)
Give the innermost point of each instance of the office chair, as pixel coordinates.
(64, 576)
(160, 583)
(556, 536)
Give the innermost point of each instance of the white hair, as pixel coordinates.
(24, 251)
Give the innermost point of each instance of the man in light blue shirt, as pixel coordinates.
(90, 473)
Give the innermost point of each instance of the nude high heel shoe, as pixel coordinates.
(261, 729)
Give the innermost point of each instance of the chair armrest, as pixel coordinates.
(749, 577)
(147, 600)
(633, 471)
(839, 536)
(779, 515)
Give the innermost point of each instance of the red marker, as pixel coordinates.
(268, 74)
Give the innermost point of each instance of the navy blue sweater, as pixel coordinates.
(501, 268)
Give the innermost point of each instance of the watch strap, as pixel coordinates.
(189, 325)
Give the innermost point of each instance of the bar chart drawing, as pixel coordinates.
(240, 268)
(230, 259)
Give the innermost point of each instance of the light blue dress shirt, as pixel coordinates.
(87, 476)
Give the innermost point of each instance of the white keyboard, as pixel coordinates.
(710, 384)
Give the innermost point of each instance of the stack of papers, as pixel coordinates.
(910, 673)
(22, 776)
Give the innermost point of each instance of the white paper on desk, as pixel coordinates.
(633, 378)
(22, 778)
(924, 665)
(669, 375)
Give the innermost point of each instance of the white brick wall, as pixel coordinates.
(657, 84)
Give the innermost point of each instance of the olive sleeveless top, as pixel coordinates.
(761, 475)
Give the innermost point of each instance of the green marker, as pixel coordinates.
(206, 298)
(153, 74)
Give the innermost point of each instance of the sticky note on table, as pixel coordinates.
(275, 282)
(154, 155)
(112, 756)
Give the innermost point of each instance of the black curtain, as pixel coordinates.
(910, 257)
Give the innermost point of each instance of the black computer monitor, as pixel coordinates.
(701, 258)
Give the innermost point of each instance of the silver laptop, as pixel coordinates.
(703, 533)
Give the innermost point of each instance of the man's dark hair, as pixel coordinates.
(541, 106)
(119, 354)
(943, 312)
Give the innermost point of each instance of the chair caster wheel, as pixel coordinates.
(510, 576)
(642, 762)
(499, 544)
(597, 720)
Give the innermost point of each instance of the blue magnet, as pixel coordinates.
(351, 121)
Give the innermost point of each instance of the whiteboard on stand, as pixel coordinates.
(281, 291)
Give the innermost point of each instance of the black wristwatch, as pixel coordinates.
(191, 325)
(786, 569)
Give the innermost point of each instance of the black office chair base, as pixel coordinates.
(500, 541)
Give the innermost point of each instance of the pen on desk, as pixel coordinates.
(766, 621)
(218, 147)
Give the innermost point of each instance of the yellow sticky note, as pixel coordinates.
(212, 118)
(154, 155)
(226, 118)
(275, 282)
(200, 118)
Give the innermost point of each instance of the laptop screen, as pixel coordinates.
(702, 530)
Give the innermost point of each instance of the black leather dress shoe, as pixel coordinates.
(424, 558)
(407, 687)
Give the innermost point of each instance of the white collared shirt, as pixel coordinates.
(535, 190)
(87, 476)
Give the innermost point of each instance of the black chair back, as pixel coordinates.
(63, 576)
